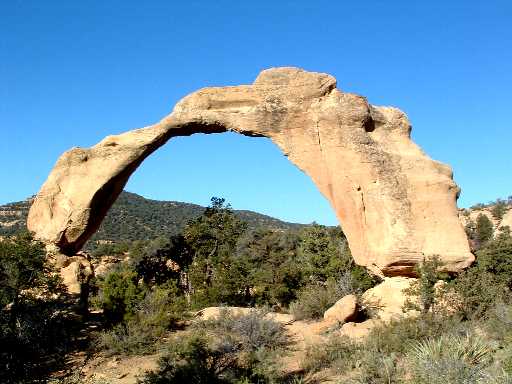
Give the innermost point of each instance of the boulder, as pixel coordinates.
(386, 301)
(345, 309)
(395, 204)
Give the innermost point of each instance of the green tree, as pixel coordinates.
(325, 255)
(488, 281)
(496, 259)
(120, 294)
(30, 322)
(324, 252)
(23, 267)
(484, 229)
(274, 273)
(214, 275)
(163, 259)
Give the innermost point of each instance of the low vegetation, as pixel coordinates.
(462, 334)
(35, 324)
(469, 343)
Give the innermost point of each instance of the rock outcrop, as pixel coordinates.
(395, 204)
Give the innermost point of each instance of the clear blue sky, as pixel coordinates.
(72, 72)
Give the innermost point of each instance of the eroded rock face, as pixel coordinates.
(395, 204)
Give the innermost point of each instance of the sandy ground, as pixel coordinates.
(100, 369)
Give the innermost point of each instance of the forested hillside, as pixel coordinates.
(133, 217)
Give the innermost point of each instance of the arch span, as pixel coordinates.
(396, 204)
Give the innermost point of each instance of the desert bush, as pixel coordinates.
(201, 359)
(131, 338)
(376, 358)
(252, 342)
(155, 314)
(189, 361)
(33, 323)
(250, 332)
(376, 368)
(450, 359)
(353, 359)
(336, 351)
(314, 299)
(119, 293)
(499, 323)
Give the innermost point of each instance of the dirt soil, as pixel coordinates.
(101, 369)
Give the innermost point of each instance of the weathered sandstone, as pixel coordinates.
(345, 309)
(395, 204)
(76, 273)
(213, 313)
(386, 301)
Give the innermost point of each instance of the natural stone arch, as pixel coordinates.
(396, 205)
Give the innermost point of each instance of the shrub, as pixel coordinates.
(155, 314)
(250, 332)
(336, 351)
(119, 294)
(32, 323)
(189, 361)
(377, 369)
(199, 359)
(496, 258)
(342, 355)
(450, 359)
(313, 300)
(131, 338)
(424, 287)
(499, 323)
(251, 343)
(395, 337)
(484, 229)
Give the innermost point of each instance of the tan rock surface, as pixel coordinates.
(345, 309)
(387, 299)
(75, 273)
(359, 330)
(395, 204)
(212, 313)
(506, 220)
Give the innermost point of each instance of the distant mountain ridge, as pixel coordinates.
(133, 217)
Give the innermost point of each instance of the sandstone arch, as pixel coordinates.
(396, 205)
